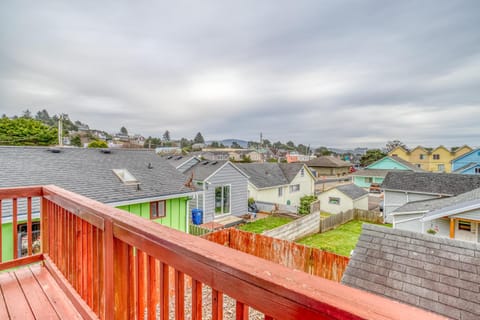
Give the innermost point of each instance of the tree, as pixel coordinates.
(98, 144)
(371, 156)
(166, 136)
(152, 143)
(302, 149)
(323, 151)
(267, 143)
(26, 132)
(76, 141)
(291, 145)
(124, 131)
(199, 138)
(27, 114)
(393, 144)
(235, 145)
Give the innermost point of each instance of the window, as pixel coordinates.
(334, 200)
(222, 200)
(394, 155)
(436, 156)
(302, 172)
(23, 239)
(280, 191)
(368, 179)
(422, 157)
(419, 165)
(157, 209)
(294, 188)
(441, 167)
(477, 170)
(465, 225)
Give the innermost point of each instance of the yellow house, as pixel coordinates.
(433, 160)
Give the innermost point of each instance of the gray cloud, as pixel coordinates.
(336, 73)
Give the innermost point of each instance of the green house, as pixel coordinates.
(137, 181)
(376, 172)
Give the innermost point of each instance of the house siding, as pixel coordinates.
(345, 202)
(361, 182)
(227, 175)
(473, 157)
(404, 222)
(361, 203)
(388, 164)
(396, 199)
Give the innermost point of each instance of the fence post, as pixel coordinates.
(108, 273)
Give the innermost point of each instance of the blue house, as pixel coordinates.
(376, 172)
(468, 163)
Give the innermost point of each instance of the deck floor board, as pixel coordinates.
(31, 292)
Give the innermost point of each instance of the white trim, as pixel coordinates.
(407, 212)
(228, 162)
(418, 192)
(150, 199)
(223, 214)
(410, 219)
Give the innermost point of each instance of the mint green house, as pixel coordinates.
(137, 181)
(376, 172)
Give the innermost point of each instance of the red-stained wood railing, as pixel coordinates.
(121, 266)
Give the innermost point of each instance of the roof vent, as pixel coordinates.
(214, 163)
(205, 163)
(105, 151)
(178, 158)
(169, 157)
(150, 165)
(54, 150)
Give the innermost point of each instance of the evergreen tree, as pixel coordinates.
(199, 138)
(166, 136)
(124, 131)
(371, 156)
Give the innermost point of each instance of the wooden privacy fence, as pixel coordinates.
(299, 228)
(292, 255)
(315, 206)
(336, 220)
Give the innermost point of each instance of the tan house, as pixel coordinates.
(343, 198)
(428, 159)
(329, 166)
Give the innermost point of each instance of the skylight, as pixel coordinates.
(125, 176)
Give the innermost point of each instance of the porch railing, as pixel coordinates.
(115, 265)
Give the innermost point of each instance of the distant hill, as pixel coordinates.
(228, 142)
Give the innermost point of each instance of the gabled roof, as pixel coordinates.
(448, 184)
(439, 203)
(467, 167)
(452, 210)
(89, 172)
(328, 162)
(352, 191)
(437, 274)
(400, 147)
(267, 175)
(205, 169)
(440, 147)
(466, 154)
(371, 173)
(178, 160)
(407, 165)
(420, 147)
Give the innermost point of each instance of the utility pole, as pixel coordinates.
(60, 130)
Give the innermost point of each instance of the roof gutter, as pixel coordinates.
(421, 192)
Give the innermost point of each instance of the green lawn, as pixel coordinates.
(341, 240)
(265, 224)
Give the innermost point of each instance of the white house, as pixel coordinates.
(343, 198)
(279, 183)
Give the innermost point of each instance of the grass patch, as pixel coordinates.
(265, 224)
(341, 240)
(324, 214)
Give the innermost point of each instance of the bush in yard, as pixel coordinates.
(305, 203)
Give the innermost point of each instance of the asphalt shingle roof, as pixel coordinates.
(352, 191)
(327, 162)
(429, 182)
(266, 175)
(435, 204)
(437, 274)
(371, 173)
(204, 169)
(89, 172)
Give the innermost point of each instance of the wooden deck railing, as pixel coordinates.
(118, 265)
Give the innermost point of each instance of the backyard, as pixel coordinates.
(341, 240)
(267, 223)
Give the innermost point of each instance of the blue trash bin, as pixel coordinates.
(197, 216)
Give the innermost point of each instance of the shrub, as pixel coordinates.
(98, 144)
(305, 203)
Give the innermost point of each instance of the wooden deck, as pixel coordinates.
(31, 293)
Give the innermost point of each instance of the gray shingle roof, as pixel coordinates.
(352, 191)
(89, 172)
(371, 173)
(327, 162)
(176, 160)
(435, 204)
(204, 169)
(264, 175)
(436, 274)
(429, 182)
(290, 170)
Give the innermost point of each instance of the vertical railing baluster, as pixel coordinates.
(164, 288)
(179, 295)
(1, 227)
(196, 300)
(14, 227)
(241, 311)
(217, 305)
(29, 225)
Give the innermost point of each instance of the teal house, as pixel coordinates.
(137, 181)
(376, 172)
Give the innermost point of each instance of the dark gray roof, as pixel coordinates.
(205, 169)
(429, 272)
(290, 170)
(429, 182)
(352, 191)
(466, 167)
(89, 172)
(264, 175)
(435, 204)
(176, 160)
(328, 162)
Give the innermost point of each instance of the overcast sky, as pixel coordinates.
(334, 73)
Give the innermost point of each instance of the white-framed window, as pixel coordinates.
(294, 188)
(422, 156)
(334, 200)
(280, 191)
(436, 156)
(302, 172)
(368, 179)
(222, 199)
(441, 167)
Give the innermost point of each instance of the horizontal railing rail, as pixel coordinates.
(126, 267)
